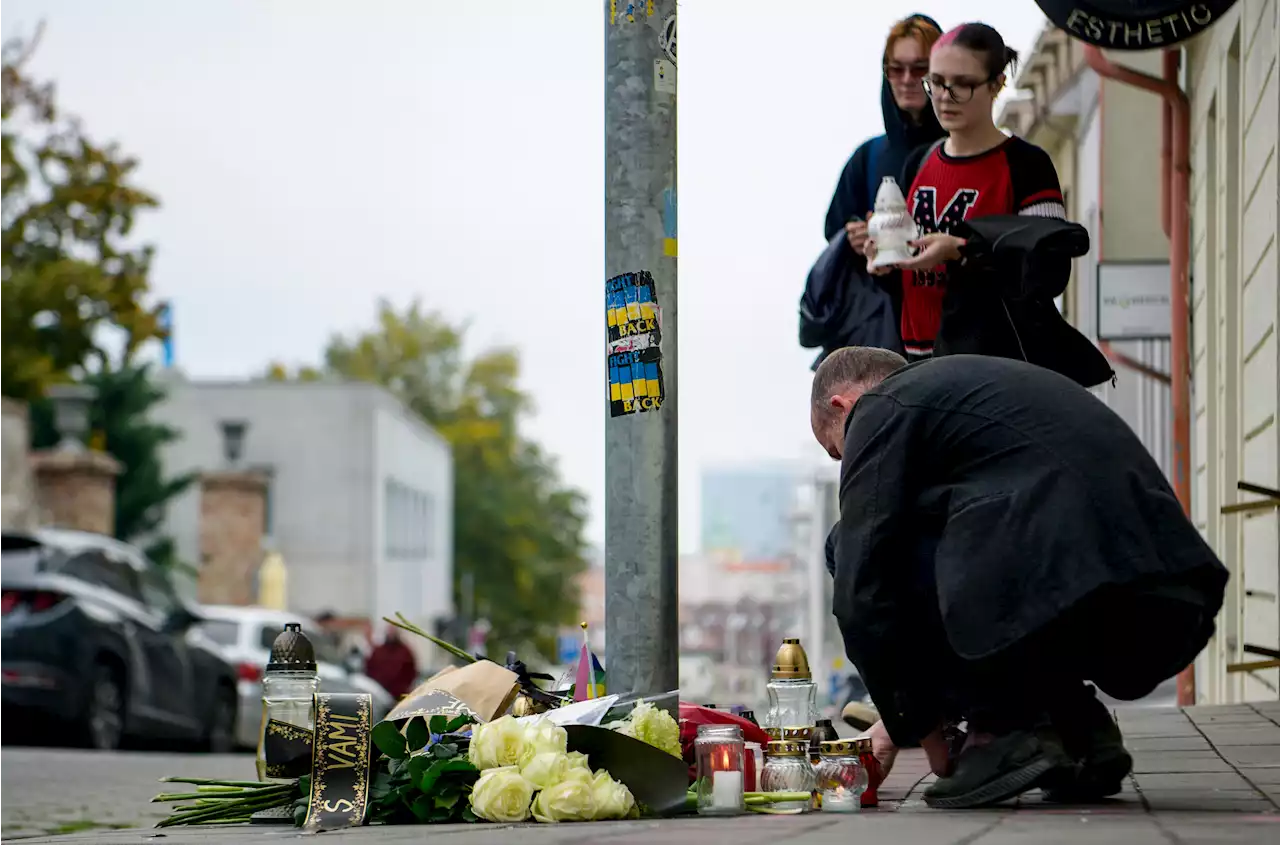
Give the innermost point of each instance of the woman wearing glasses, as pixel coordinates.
(908, 123)
(977, 171)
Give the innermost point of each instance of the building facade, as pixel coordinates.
(746, 510)
(1101, 135)
(359, 494)
(1231, 82)
(1105, 138)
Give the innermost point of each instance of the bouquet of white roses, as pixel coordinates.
(527, 770)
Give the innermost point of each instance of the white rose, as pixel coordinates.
(612, 799)
(502, 795)
(496, 744)
(567, 801)
(579, 762)
(541, 737)
(546, 769)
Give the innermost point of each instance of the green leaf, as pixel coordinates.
(468, 815)
(438, 724)
(418, 765)
(444, 750)
(417, 735)
(441, 768)
(389, 740)
(458, 723)
(299, 815)
(304, 785)
(422, 807)
(447, 800)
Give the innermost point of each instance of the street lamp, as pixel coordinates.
(233, 433)
(71, 414)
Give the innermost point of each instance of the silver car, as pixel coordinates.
(245, 635)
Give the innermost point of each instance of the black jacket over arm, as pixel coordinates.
(1017, 493)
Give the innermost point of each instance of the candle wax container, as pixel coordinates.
(793, 695)
(841, 777)
(788, 770)
(719, 753)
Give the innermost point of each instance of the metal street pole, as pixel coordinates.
(641, 517)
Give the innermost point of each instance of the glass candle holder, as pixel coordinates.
(841, 777)
(788, 770)
(719, 752)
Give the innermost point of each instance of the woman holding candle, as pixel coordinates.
(908, 123)
(955, 300)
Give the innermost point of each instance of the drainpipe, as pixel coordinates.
(1175, 161)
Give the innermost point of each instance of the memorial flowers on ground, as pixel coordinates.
(527, 771)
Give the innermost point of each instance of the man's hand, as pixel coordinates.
(856, 232)
(938, 751)
(882, 747)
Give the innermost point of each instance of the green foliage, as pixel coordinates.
(119, 414)
(517, 529)
(69, 270)
(414, 782)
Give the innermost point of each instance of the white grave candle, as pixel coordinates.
(726, 790)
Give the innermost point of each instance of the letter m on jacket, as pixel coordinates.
(932, 219)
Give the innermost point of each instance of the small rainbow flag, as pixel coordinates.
(589, 681)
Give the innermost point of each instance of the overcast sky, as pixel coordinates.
(315, 155)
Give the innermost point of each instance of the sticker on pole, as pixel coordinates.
(634, 348)
(664, 76)
(1130, 25)
(668, 38)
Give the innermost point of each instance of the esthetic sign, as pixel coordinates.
(1134, 24)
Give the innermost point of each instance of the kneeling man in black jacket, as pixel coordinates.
(1004, 538)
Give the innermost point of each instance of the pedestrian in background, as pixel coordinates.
(954, 299)
(909, 123)
(392, 664)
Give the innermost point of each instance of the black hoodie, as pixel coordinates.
(855, 193)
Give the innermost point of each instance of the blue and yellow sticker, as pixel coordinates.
(634, 326)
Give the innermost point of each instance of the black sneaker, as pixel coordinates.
(1008, 766)
(1092, 738)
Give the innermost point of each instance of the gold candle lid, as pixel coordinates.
(796, 733)
(839, 746)
(786, 748)
(862, 745)
(774, 733)
(791, 663)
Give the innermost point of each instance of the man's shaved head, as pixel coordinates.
(842, 377)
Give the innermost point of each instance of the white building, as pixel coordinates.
(360, 500)
(1106, 138)
(1233, 83)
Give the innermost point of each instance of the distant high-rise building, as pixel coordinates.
(746, 510)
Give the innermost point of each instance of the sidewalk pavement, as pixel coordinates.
(1201, 775)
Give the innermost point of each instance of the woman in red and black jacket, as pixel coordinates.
(950, 301)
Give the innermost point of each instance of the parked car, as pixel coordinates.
(245, 635)
(97, 644)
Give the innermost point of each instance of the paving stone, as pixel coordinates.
(1174, 762)
(1263, 776)
(1208, 782)
(1160, 801)
(1267, 734)
(1261, 756)
(1074, 828)
(1168, 743)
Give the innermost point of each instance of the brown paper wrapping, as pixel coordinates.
(486, 689)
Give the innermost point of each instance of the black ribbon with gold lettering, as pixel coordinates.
(340, 762)
(286, 750)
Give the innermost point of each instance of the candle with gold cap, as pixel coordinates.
(793, 696)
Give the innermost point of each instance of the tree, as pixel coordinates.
(69, 207)
(517, 530)
(119, 414)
